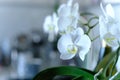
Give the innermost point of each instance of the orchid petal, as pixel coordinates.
(64, 10)
(82, 56)
(62, 46)
(69, 3)
(46, 23)
(50, 24)
(60, 8)
(79, 31)
(113, 29)
(84, 43)
(76, 34)
(55, 18)
(55, 22)
(67, 56)
(110, 11)
(75, 10)
(103, 27)
(111, 40)
(103, 10)
(65, 24)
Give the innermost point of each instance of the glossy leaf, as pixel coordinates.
(81, 78)
(50, 73)
(106, 63)
(107, 59)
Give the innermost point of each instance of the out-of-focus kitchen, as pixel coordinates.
(24, 47)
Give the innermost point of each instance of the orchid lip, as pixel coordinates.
(72, 49)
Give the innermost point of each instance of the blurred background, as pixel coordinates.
(24, 48)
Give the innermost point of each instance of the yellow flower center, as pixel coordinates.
(70, 28)
(51, 27)
(110, 39)
(72, 49)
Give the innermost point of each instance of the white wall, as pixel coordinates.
(22, 17)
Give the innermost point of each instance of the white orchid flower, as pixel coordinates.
(68, 17)
(109, 27)
(69, 10)
(66, 25)
(50, 26)
(74, 43)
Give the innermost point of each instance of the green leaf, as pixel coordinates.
(50, 73)
(106, 63)
(81, 78)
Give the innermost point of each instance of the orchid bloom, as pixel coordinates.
(68, 17)
(74, 43)
(66, 25)
(109, 27)
(69, 10)
(50, 26)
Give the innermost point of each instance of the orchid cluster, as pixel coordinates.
(109, 27)
(73, 38)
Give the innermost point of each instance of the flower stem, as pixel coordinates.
(89, 26)
(87, 13)
(109, 61)
(116, 59)
(95, 17)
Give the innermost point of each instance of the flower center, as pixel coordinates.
(72, 49)
(109, 38)
(70, 28)
(67, 30)
(51, 27)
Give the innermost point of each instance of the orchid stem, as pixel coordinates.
(88, 24)
(116, 59)
(87, 13)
